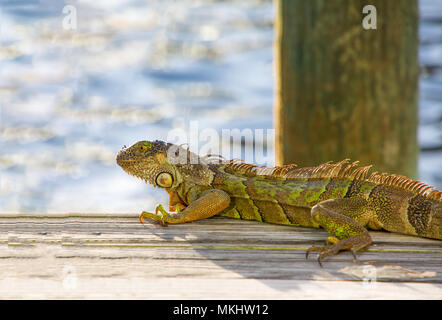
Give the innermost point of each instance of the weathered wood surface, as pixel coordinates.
(114, 256)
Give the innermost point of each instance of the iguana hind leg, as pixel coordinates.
(344, 219)
(207, 205)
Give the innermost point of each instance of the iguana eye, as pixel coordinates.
(164, 180)
(144, 146)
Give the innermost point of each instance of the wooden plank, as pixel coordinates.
(114, 256)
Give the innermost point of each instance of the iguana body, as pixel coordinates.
(339, 197)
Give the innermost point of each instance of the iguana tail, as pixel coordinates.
(424, 217)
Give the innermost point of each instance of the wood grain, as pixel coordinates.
(347, 91)
(83, 256)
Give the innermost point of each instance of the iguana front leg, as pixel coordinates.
(344, 219)
(175, 203)
(207, 205)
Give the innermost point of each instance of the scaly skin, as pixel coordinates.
(340, 197)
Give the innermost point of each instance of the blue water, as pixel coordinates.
(132, 70)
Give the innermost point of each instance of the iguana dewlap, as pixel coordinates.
(340, 197)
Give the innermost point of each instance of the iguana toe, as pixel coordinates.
(330, 250)
(152, 216)
(316, 249)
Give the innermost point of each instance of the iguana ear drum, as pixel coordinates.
(164, 180)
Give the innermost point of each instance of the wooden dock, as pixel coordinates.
(101, 256)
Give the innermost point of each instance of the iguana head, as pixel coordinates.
(148, 161)
(163, 165)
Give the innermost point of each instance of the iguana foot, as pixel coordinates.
(353, 244)
(326, 251)
(322, 253)
(155, 216)
(323, 250)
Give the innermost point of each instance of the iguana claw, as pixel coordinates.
(316, 249)
(155, 216)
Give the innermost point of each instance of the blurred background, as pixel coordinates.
(74, 91)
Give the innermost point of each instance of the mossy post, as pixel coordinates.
(344, 90)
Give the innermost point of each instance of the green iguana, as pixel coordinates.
(340, 197)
